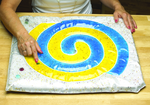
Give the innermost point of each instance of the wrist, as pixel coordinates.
(23, 34)
(118, 6)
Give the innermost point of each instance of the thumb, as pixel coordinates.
(116, 18)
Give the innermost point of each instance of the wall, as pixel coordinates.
(139, 7)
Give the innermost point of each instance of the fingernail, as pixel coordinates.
(41, 51)
(116, 20)
(133, 30)
(36, 60)
(128, 27)
(135, 26)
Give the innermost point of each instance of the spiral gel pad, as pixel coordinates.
(80, 54)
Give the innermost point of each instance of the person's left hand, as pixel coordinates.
(127, 18)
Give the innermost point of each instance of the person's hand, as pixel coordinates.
(28, 46)
(127, 18)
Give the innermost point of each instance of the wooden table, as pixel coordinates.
(142, 42)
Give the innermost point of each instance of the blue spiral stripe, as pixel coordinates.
(122, 47)
(68, 46)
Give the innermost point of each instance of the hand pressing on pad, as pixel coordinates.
(120, 12)
(127, 18)
(28, 46)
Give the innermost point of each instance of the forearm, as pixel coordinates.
(11, 21)
(113, 4)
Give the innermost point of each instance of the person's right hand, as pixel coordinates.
(28, 46)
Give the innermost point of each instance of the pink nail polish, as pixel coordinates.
(36, 60)
(135, 26)
(128, 27)
(133, 30)
(116, 20)
(41, 51)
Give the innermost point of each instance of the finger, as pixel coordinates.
(116, 18)
(34, 51)
(125, 19)
(23, 50)
(22, 47)
(135, 25)
(131, 24)
(28, 49)
(25, 53)
(19, 48)
(38, 48)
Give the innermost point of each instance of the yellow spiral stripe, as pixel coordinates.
(108, 62)
(54, 48)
